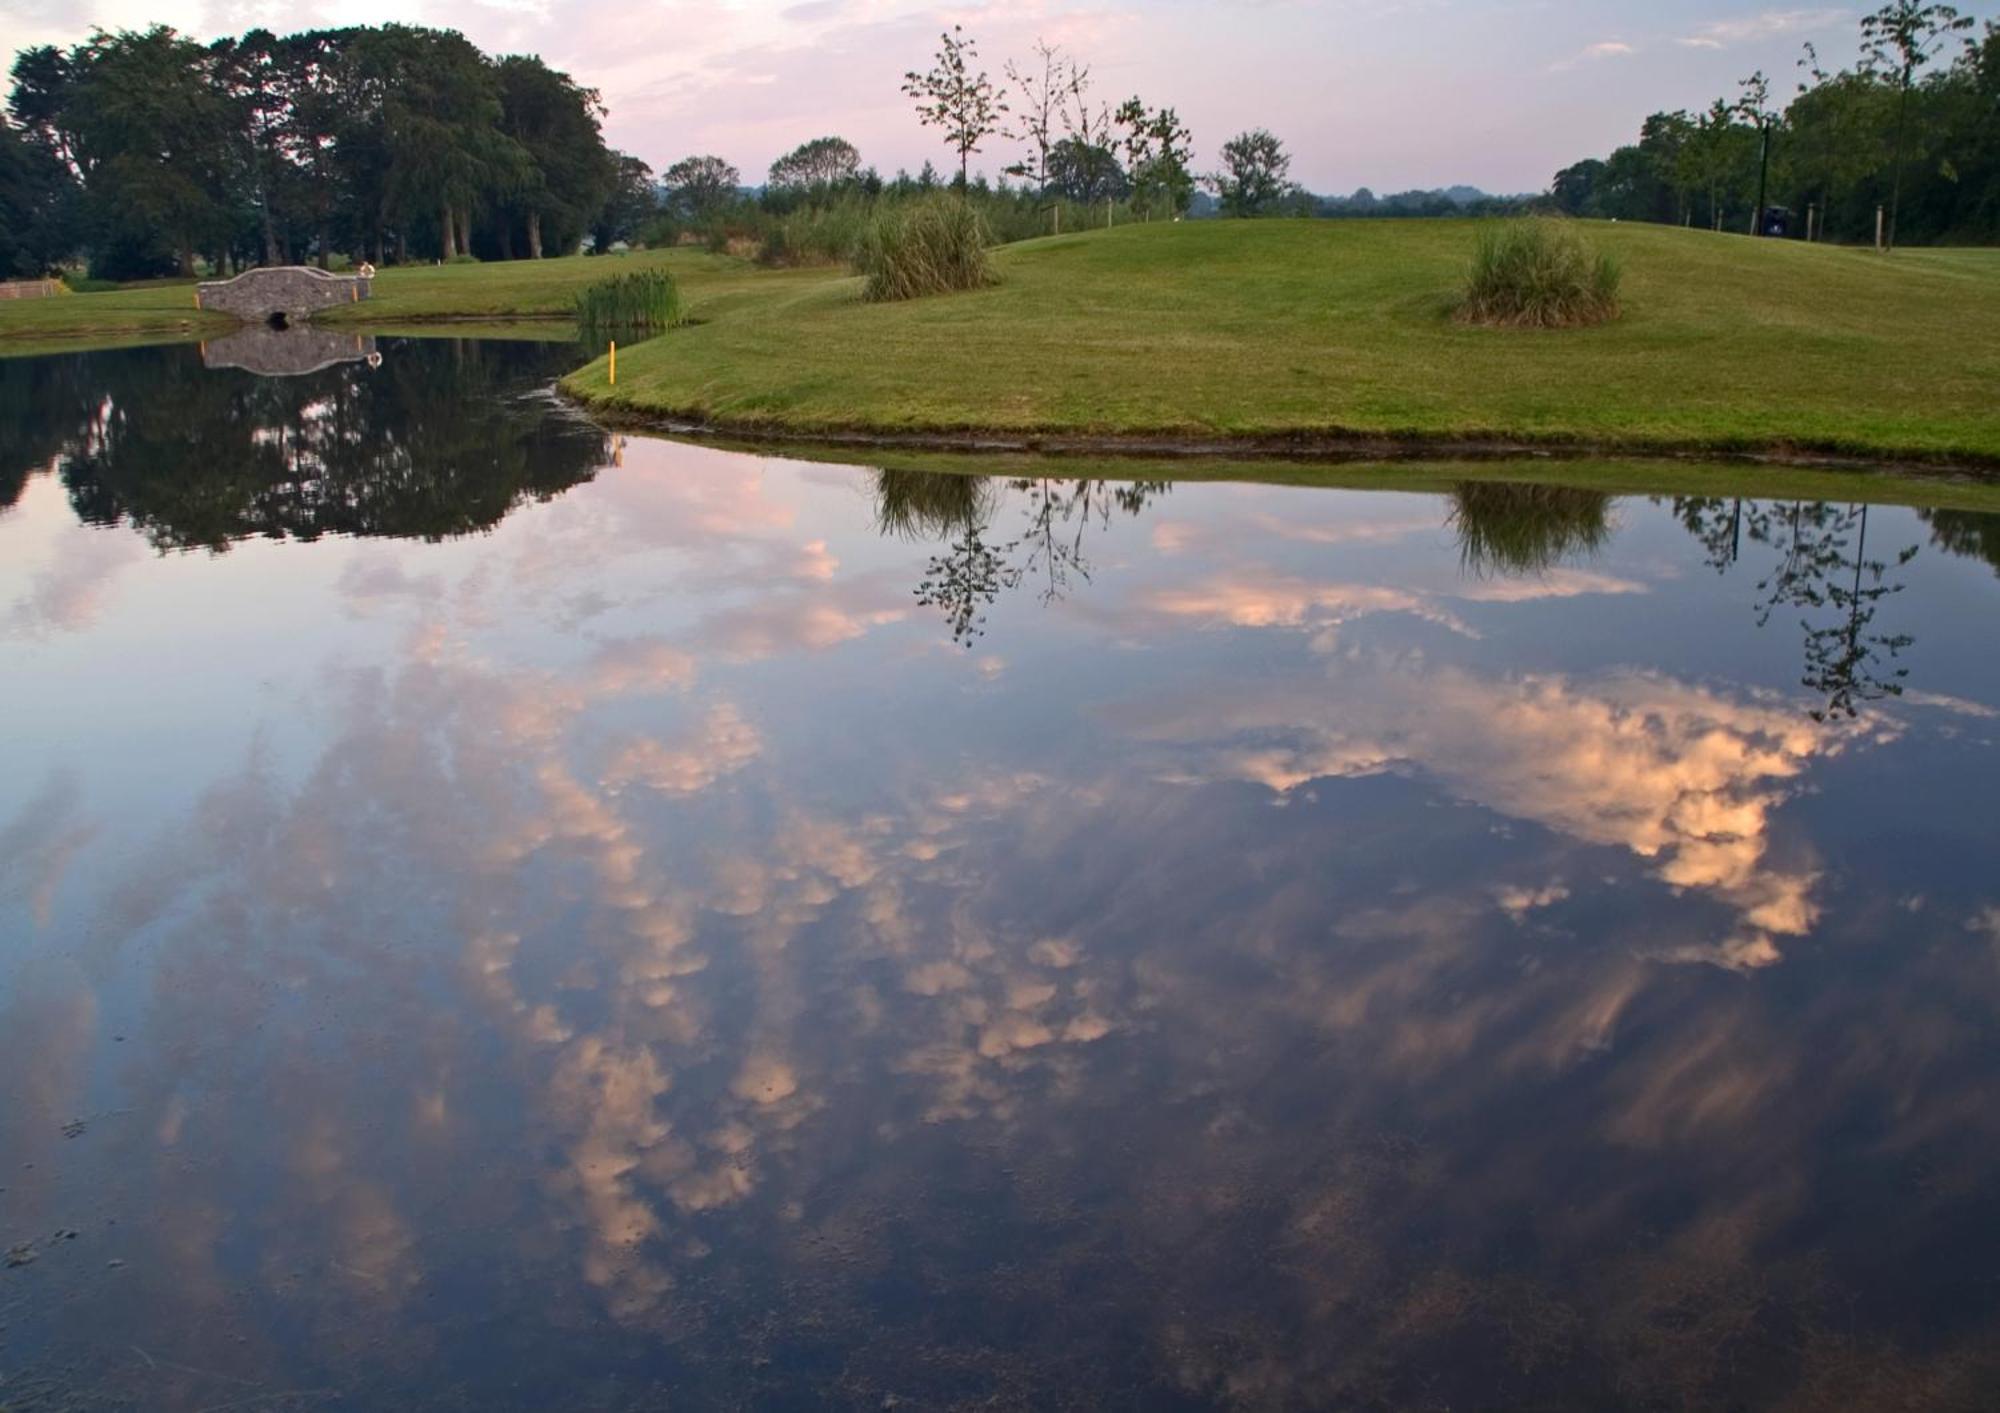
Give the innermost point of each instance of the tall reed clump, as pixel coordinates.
(931, 246)
(1539, 273)
(643, 299)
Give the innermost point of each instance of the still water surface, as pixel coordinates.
(495, 916)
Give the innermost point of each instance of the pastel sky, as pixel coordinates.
(1385, 93)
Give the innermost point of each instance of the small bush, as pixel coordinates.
(932, 246)
(643, 299)
(1539, 274)
(463, 259)
(80, 284)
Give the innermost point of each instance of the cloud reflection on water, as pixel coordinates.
(722, 996)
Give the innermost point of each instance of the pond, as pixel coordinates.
(495, 915)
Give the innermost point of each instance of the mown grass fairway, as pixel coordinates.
(1230, 329)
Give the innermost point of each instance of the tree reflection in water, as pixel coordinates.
(964, 581)
(439, 441)
(1822, 569)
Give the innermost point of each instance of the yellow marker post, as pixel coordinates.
(197, 299)
(614, 363)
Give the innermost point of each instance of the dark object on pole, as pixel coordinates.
(1777, 222)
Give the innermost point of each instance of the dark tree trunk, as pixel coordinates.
(506, 239)
(448, 231)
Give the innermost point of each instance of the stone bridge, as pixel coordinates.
(280, 295)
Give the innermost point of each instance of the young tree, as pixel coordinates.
(952, 97)
(1157, 152)
(1045, 96)
(822, 164)
(1902, 37)
(698, 187)
(1253, 180)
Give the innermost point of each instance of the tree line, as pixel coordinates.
(1913, 127)
(149, 150)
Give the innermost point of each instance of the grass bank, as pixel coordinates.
(1302, 333)
(1274, 335)
(403, 299)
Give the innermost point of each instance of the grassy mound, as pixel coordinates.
(639, 299)
(1209, 330)
(1539, 274)
(936, 246)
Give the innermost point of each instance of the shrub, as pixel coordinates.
(463, 258)
(932, 246)
(643, 299)
(1539, 273)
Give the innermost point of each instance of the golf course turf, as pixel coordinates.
(1279, 335)
(1324, 331)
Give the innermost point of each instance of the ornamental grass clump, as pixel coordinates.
(1539, 274)
(644, 299)
(932, 246)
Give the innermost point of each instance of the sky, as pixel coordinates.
(1389, 94)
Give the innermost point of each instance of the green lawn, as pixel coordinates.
(1221, 330)
(153, 314)
(1229, 329)
(402, 299)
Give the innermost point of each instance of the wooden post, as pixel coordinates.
(1878, 228)
(614, 363)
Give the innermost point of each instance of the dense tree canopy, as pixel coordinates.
(1253, 180)
(1914, 128)
(145, 150)
(822, 164)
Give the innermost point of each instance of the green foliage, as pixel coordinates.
(933, 246)
(1912, 129)
(643, 299)
(825, 234)
(698, 188)
(1253, 180)
(1539, 273)
(824, 164)
(1158, 154)
(950, 96)
(388, 141)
